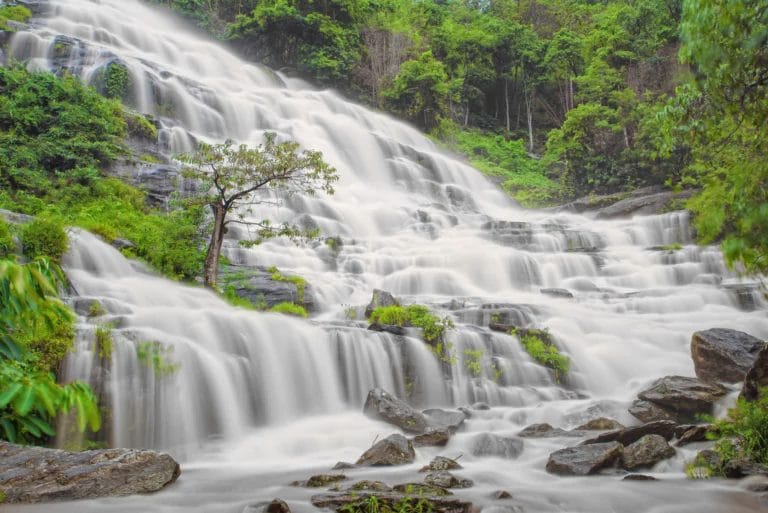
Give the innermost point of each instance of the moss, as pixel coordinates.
(96, 309)
(419, 316)
(140, 126)
(301, 283)
(289, 309)
(13, 13)
(538, 344)
(147, 157)
(44, 238)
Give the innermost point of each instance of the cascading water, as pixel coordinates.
(261, 399)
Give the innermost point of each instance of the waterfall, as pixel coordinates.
(266, 394)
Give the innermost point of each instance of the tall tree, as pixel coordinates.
(233, 175)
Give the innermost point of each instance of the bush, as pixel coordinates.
(289, 309)
(743, 433)
(419, 316)
(43, 238)
(536, 344)
(13, 13)
(7, 244)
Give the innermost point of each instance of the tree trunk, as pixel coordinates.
(529, 118)
(506, 102)
(211, 265)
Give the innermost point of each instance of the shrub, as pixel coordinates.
(13, 13)
(537, 345)
(419, 316)
(104, 344)
(289, 309)
(7, 244)
(141, 127)
(743, 433)
(44, 238)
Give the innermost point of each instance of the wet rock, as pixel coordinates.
(255, 284)
(121, 244)
(35, 474)
(382, 405)
(441, 463)
(501, 495)
(649, 412)
(600, 424)
(321, 480)
(757, 483)
(276, 506)
(445, 479)
(723, 355)
(649, 204)
(365, 484)
(355, 502)
(393, 450)
(685, 397)
(638, 477)
(448, 419)
(584, 460)
(627, 436)
(690, 434)
(421, 490)
(557, 292)
(380, 298)
(432, 438)
(757, 377)
(646, 452)
(541, 431)
(343, 465)
(388, 328)
(481, 406)
(488, 444)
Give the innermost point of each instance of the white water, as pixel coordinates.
(261, 399)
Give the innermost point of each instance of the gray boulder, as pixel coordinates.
(488, 444)
(448, 419)
(600, 424)
(685, 397)
(275, 506)
(646, 452)
(690, 434)
(380, 298)
(757, 377)
(650, 412)
(541, 431)
(723, 355)
(381, 405)
(393, 450)
(36, 474)
(432, 438)
(584, 460)
(445, 479)
(441, 463)
(663, 428)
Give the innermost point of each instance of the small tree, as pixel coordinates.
(232, 174)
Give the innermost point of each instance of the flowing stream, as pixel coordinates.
(258, 400)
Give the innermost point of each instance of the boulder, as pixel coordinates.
(649, 412)
(255, 284)
(541, 431)
(600, 424)
(757, 483)
(690, 434)
(584, 460)
(448, 419)
(488, 444)
(393, 450)
(388, 328)
(355, 502)
(36, 474)
(653, 203)
(445, 479)
(276, 506)
(432, 438)
(685, 397)
(365, 484)
(441, 463)
(343, 465)
(757, 377)
(627, 436)
(723, 355)
(646, 452)
(638, 477)
(380, 298)
(382, 405)
(501, 495)
(321, 480)
(557, 292)
(421, 490)
(481, 406)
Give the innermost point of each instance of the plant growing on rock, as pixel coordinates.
(742, 436)
(235, 176)
(289, 309)
(536, 343)
(418, 316)
(157, 356)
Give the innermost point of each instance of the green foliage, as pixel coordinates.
(419, 316)
(536, 343)
(289, 308)
(13, 13)
(420, 91)
(114, 81)
(43, 238)
(103, 342)
(157, 356)
(743, 433)
(473, 361)
(7, 242)
(96, 309)
(30, 398)
(140, 126)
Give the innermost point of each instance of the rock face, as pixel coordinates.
(584, 460)
(646, 452)
(681, 397)
(257, 286)
(380, 298)
(35, 474)
(757, 377)
(488, 444)
(723, 355)
(663, 428)
(641, 205)
(382, 405)
(393, 450)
